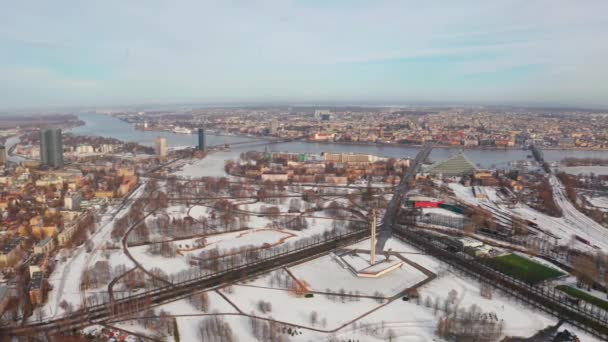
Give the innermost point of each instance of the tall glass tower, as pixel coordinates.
(51, 147)
(201, 139)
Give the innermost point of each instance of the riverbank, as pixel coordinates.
(107, 125)
(380, 144)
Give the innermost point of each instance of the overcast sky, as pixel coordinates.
(117, 52)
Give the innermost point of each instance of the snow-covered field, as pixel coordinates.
(407, 321)
(223, 242)
(326, 273)
(212, 165)
(287, 307)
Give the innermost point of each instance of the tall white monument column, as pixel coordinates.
(373, 239)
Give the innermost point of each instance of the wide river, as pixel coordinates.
(108, 126)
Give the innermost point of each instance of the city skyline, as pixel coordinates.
(112, 54)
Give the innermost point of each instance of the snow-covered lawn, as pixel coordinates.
(176, 211)
(519, 320)
(407, 320)
(253, 238)
(217, 304)
(287, 307)
(326, 273)
(224, 242)
(198, 211)
(149, 261)
(407, 251)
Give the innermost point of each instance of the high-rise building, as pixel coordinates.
(201, 139)
(161, 147)
(72, 201)
(51, 147)
(274, 126)
(320, 112)
(2, 155)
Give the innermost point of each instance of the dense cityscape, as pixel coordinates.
(92, 225)
(304, 171)
(456, 127)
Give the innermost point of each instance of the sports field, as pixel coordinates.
(523, 268)
(576, 293)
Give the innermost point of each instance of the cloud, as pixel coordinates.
(231, 50)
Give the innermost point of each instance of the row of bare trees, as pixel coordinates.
(98, 275)
(270, 331)
(216, 329)
(470, 325)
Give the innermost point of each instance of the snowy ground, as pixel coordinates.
(572, 223)
(65, 279)
(224, 242)
(334, 277)
(598, 202)
(287, 307)
(581, 223)
(253, 238)
(212, 165)
(188, 317)
(408, 321)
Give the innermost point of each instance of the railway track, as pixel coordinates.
(126, 306)
(533, 295)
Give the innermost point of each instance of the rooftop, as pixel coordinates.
(456, 165)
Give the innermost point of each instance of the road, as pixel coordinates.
(390, 216)
(576, 221)
(581, 223)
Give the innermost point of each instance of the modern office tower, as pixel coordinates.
(161, 147)
(201, 139)
(274, 126)
(51, 147)
(2, 155)
(320, 112)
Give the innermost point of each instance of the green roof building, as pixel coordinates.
(457, 165)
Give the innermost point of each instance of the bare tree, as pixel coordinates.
(313, 318)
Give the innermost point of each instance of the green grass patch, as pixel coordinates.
(591, 299)
(523, 268)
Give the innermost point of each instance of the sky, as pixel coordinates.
(121, 52)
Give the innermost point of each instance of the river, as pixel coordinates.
(108, 126)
